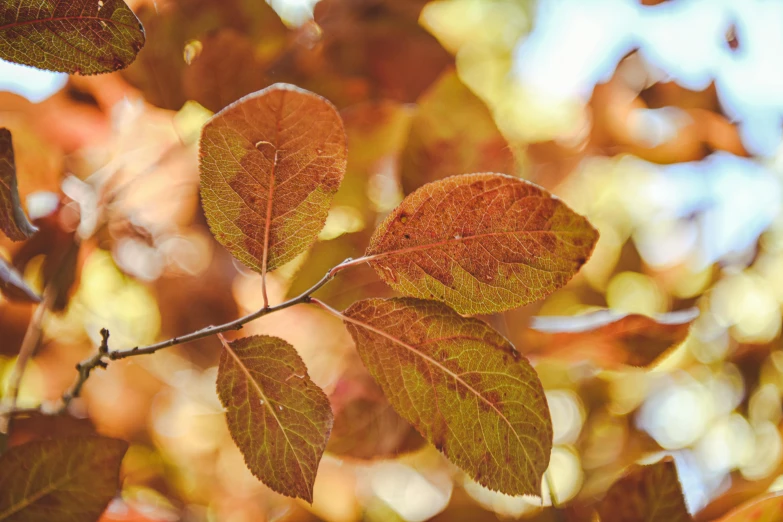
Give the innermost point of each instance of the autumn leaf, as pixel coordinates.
(270, 165)
(72, 477)
(13, 286)
(607, 337)
(767, 508)
(277, 416)
(365, 424)
(481, 243)
(13, 220)
(452, 133)
(461, 385)
(211, 51)
(76, 37)
(646, 494)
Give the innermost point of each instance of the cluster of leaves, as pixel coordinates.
(466, 242)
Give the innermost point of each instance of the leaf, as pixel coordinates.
(270, 165)
(279, 418)
(13, 220)
(76, 37)
(481, 243)
(73, 478)
(461, 385)
(365, 424)
(646, 494)
(767, 508)
(452, 133)
(13, 286)
(167, 79)
(607, 337)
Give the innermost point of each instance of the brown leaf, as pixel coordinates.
(481, 243)
(646, 494)
(13, 220)
(13, 286)
(606, 337)
(76, 37)
(70, 479)
(162, 71)
(767, 508)
(279, 418)
(365, 424)
(270, 165)
(462, 386)
(452, 133)
(36, 426)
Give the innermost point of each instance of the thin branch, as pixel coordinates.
(99, 359)
(30, 343)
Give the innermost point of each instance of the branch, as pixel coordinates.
(30, 343)
(100, 359)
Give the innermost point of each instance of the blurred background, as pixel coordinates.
(660, 121)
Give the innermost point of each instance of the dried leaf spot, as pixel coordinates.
(281, 426)
(481, 243)
(451, 378)
(270, 164)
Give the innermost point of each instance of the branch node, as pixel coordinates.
(104, 346)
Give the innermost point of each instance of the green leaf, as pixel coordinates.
(452, 133)
(646, 494)
(481, 243)
(270, 165)
(76, 37)
(279, 418)
(13, 220)
(69, 479)
(13, 286)
(461, 385)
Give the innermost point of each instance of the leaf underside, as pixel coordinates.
(461, 385)
(74, 36)
(278, 417)
(270, 165)
(481, 243)
(646, 494)
(68, 479)
(13, 221)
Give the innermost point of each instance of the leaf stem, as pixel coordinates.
(100, 359)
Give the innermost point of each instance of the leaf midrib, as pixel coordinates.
(443, 368)
(14, 25)
(268, 405)
(54, 486)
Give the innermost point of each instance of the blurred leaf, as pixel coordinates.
(452, 133)
(162, 72)
(270, 165)
(365, 424)
(226, 69)
(462, 385)
(646, 493)
(36, 426)
(362, 50)
(607, 337)
(76, 37)
(767, 508)
(74, 478)
(277, 416)
(13, 286)
(481, 243)
(13, 220)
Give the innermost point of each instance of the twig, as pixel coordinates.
(99, 359)
(32, 338)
